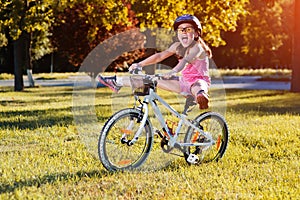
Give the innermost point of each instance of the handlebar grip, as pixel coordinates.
(137, 70)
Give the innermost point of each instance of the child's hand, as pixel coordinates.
(135, 68)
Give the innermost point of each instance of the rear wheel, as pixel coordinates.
(116, 153)
(214, 125)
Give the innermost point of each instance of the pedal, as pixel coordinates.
(193, 159)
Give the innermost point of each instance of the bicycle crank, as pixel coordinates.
(194, 159)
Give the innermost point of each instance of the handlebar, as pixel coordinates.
(138, 71)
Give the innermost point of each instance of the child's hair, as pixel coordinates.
(205, 46)
(180, 51)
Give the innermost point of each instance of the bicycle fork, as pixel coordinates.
(141, 126)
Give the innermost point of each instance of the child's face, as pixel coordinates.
(186, 34)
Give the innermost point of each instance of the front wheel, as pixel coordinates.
(117, 155)
(214, 125)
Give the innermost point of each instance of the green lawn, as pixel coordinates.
(43, 156)
(283, 74)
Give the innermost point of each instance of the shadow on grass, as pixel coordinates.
(50, 179)
(264, 102)
(44, 118)
(36, 118)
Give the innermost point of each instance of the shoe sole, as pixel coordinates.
(107, 84)
(202, 101)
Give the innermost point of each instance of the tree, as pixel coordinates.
(100, 19)
(78, 29)
(27, 23)
(267, 31)
(215, 16)
(263, 37)
(89, 26)
(295, 82)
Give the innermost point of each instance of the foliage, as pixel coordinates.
(263, 38)
(215, 16)
(92, 22)
(263, 33)
(88, 27)
(34, 17)
(43, 157)
(75, 27)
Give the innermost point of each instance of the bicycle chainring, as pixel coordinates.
(164, 145)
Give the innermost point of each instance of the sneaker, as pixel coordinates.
(202, 100)
(111, 83)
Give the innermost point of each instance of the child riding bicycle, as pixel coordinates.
(193, 56)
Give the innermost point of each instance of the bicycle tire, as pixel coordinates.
(214, 124)
(117, 156)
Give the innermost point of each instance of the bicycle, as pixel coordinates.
(126, 139)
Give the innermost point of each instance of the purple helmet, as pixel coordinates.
(188, 19)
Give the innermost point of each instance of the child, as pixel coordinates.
(193, 55)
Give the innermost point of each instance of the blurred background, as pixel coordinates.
(45, 36)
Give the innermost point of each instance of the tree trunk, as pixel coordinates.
(30, 77)
(19, 59)
(28, 62)
(295, 83)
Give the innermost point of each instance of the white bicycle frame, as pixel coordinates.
(151, 99)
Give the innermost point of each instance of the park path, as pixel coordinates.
(252, 83)
(229, 82)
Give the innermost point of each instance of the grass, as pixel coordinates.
(41, 76)
(256, 72)
(44, 157)
(266, 74)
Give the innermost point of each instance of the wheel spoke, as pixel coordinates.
(114, 153)
(214, 125)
